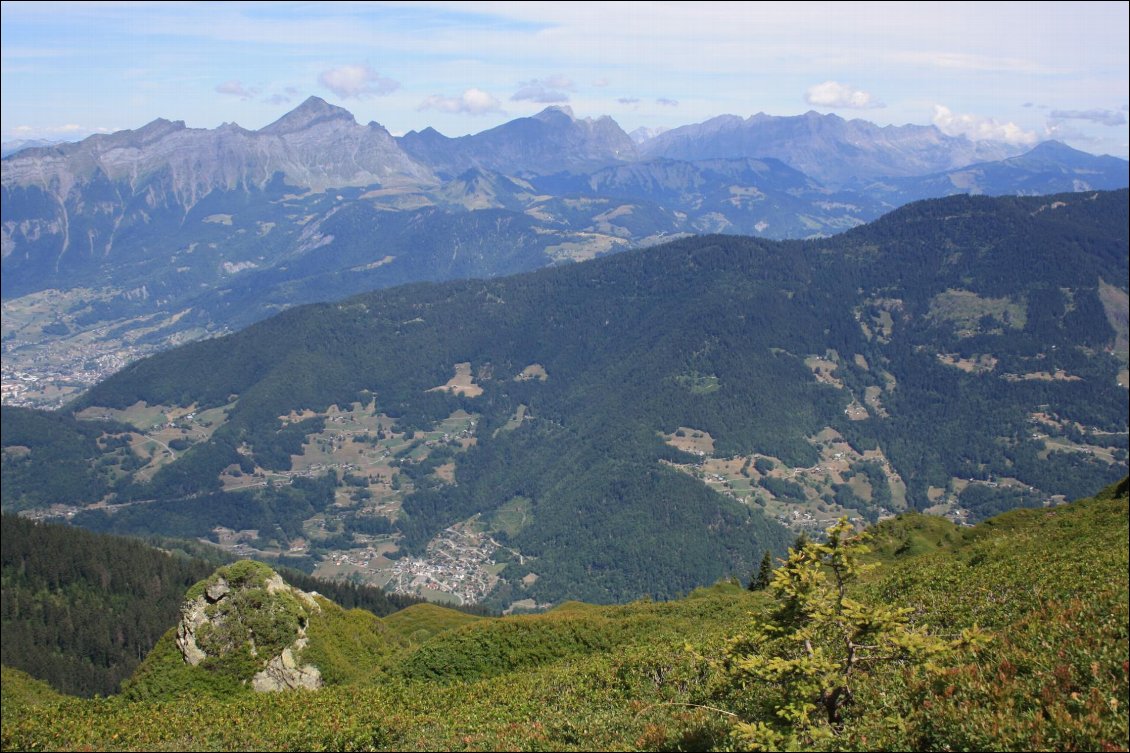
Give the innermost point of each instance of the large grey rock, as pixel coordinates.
(216, 608)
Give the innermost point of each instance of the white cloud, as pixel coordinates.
(978, 128)
(601, 82)
(547, 90)
(356, 81)
(1104, 117)
(236, 88)
(628, 100)
(667, 102)
(835, 94)
(1065, 132)
(471, 102)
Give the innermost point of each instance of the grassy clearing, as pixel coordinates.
(584, 246)
(463, 383)
(514, 422)
(533, 371)
(691, 440)
(824, 370)
(872, 397)
(967, 311)
(978, 364)
(140, 415)
(512, 516)
(698, 384)
(1116, 305)
(741, 478)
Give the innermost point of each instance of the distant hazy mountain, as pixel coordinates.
(551, 141)
(16, 145)
(1048, 168)
(643, 133)
(826, 147)
(315, 146)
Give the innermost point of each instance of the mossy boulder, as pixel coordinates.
(246, 623)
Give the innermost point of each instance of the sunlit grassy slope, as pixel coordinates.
(1049, 585)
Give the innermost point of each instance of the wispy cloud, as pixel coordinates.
(356, 81)
(978, 128)
(835, 94)
(548, 90)
(470, 102)
(628, 100)
(236, 88)
(1103, 117)
(667, 102)
(286, 97)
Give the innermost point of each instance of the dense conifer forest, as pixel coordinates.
(80, 610)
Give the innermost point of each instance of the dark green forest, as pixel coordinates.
(80, 610)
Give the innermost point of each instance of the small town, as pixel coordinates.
(57, 371)
(458, 563)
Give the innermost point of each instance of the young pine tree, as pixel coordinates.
(818, 643)
(764, 575)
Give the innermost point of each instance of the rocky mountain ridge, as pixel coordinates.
(827, 147)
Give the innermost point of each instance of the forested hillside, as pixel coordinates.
(649, 422)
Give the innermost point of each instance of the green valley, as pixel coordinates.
(641, 424)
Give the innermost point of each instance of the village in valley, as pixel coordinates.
(375, 466)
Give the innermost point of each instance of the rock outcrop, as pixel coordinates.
(246, 619)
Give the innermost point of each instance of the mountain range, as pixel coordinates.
(127, 243)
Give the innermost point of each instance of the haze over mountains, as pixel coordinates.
(127, 243)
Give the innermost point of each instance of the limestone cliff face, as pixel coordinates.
(245, 618)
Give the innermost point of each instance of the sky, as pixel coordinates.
(1022, 72)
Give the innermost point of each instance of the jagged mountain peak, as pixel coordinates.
(644, 133)
(232, 127)
(311, 112)
(1056, 157)
(556, 113)
(1053, 148)
(155, 129)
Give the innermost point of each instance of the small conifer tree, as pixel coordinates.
(818, 643)
(764, 575)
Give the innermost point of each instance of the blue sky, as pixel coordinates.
(1022, 72)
